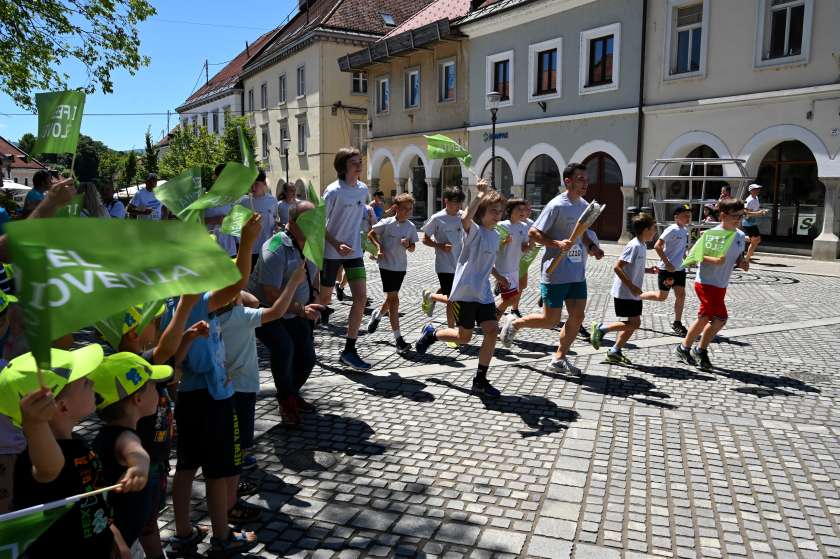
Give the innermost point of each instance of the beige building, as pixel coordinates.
(418, 80)
(755, 80)
(302, 107)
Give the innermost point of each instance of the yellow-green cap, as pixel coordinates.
(6, 300)
(20, 376)
(122, 374)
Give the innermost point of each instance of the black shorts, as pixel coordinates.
(468, 314)
(678, 277)
(245, 404)
(446, 280)
(391, 280)
(627, 308)
(751, 230)
(208, 435)
(331, 265)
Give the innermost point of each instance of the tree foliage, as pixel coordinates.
(150, 157)
(130, 169)
(111, 167)
(187, 150)
(36, 38)
(27, 142)
(230, 139)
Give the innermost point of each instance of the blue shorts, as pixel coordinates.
(555, 294)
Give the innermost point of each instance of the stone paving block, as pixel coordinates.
(556, 528)
(416, 526)
(453, 532)
(502, 541)
(374, 520)
(551, 548)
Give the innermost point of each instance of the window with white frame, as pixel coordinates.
(411, 85)
(600, 51)
(266, 141)
(446, 81)
(784, 31)
(383, 95)
(359, 83)
(281, 84)
(204, 120)
(544, 69)
(359, 139)
(301, 81)
(284, 135)
(301, 131)
(195, 126)
(264, 96)
(251, 100)
(686, 38)
(498, 73)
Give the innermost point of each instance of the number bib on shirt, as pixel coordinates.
(575, 254)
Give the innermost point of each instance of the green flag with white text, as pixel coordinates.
(713, 242)
(18, 530)
(235, 219)
(72, 273)
(73, 209)
(314, 226)
(245, 148)
(234, 182)
(443, 147)
(59, 121)
(179, 192)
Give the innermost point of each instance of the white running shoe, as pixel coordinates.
(427, 305)
(563, 365)
(375, 316)
(508, 331)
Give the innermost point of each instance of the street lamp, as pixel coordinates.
(286, 142)
(493, 99)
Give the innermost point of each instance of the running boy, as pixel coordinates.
(516, 242)
(472, 297)
(671, 248)
(393, 237)
(524, 263)
(443, 233)
(710, 284)
(627, 290)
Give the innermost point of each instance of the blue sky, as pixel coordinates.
(177, 52)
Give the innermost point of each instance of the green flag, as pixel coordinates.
(245, 149)
(503, 234)
(59, 121)
(713, 242)
(73, 209)
(527, 258)
(234, 182)
(443, 147)
(314, 226)
(179, 192)
(75, 272)
(20, 528)
(368, 246)
(233, 221)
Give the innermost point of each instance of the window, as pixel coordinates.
(359, 83)
(383, 95)
(284, 135)
(215, 122)
(281, 84)
(412, 89)
(446, 81)
(784, 31)
(499, 76)
(264, 96)
(251, 100)
(388, 20)
(301, 81)
(266, 141)
(360, 136)
(195, 126)
(225, 115)
(599, 59)
(544, 70)
(301, 137)
(204, 120)
(686, 38)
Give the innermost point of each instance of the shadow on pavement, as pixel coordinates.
(771, 385)
(391, 386)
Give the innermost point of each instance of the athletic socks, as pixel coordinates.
(603, 328)
(481, 373)
(614, 349)
(397, 334)
(350, 344)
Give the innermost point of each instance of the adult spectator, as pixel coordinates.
(288, 200)
(92, 205)
(41, 182)
(567, 283)
(752, 211)
(290, 341)
(378, 204)
(116, 209)
(261, 201)
(144, 204)
(213, 218)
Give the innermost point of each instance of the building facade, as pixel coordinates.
(754, 80)
(418, 87)
(16, 165)
(568, 72)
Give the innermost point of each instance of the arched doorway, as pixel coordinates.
(542, 182)
(419, 189)
(792, 192)
(605, 186)
(450, 176)
(504, 176)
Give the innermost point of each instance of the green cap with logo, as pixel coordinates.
(122, 374)
(20, 376)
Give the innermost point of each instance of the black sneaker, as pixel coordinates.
(482, 387)
(701, 357)
(339, 292)
(540, 301)
(426, 339)
(325, 316)
(684, 355)
(402, 345)
(352, 360)
(678, 329)
(583, 333)
(516, 313)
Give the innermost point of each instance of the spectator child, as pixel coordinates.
(515, 243)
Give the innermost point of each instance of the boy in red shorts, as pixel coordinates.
(710, 285)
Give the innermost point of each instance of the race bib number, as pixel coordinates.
(575, 254)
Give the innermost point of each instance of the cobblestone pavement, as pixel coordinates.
(650, 460)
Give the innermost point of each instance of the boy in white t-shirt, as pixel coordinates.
(393, 237)
(627, 290)
(671, 248)
(472, 297)
(515, 243)
(261, 201)
(443, 232)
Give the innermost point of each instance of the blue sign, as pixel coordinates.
(499, 136)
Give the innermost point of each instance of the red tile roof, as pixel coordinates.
(436, 11)
(21, 160)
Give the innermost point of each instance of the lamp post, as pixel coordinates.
(493, 99)
(286, 142)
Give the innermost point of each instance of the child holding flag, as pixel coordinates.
(514, 232)
(718, 251)
(393, 237)
(261, 201)
(472, 296)
(528, 256)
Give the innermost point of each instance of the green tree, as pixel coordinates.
(150, 158)
(88, 152)
(130, 169)
(111, 167)
(188, 150)
(26, 142)
(230, 139)
(37, 38)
